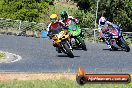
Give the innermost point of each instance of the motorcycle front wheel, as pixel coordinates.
(67, 49)
(124, 45)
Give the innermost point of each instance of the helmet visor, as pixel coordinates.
(102, 23)
(53, 19)
(64, 16)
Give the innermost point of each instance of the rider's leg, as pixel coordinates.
(106, 41)
(100, 35)
(54, 44)
(108, 44)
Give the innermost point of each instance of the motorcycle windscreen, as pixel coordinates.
(57, 30)
(72, 27)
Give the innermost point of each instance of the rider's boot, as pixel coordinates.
(108, 44)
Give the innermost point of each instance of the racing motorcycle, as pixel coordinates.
(61, 39)
(76, 36)
(116, 39)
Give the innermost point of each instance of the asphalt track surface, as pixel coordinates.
(38, 55)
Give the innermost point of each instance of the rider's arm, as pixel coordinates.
(113, 25)
(74, 19)
(48, 27)
(109, 23)
(71, 17)
(49, 30)
(99, 28)
(63, 25)
(50, 34)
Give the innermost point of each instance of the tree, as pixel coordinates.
(29, 10)
(117, 11)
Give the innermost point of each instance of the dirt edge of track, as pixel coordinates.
(36, 76)
(9, 76)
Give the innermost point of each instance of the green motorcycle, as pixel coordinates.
(76, 36)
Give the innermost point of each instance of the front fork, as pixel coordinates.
(68, 44)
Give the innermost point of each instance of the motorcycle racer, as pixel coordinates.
(75, 30)
(52, 26)
(65, 18)
(104, 29)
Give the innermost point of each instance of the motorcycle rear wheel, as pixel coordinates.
(83, 45)
(125, 45)
(113, 48)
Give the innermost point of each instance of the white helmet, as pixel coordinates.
(102, 21)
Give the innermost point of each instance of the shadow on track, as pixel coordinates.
(66, 56)
(106, 49)
(77, 48)
(114, 50)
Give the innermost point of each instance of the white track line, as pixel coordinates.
(8, 56)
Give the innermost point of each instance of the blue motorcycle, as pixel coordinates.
(116, 39)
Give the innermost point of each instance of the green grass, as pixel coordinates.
(129, 41)
(2, 55)
(57, 84)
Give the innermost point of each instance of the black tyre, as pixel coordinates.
(83, 44)
(125, 45)
(58, 50)
(113, 48)
(81, 80)
(67, 49)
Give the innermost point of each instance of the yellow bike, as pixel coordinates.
(61, 39)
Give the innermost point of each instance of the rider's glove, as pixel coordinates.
(77, 21)
(50, 35)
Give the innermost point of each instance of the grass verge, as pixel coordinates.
(62, 83)
(2, 55)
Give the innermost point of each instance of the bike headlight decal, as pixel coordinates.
(115, 36)
(60, 35)
(56, 36)
(74, 28)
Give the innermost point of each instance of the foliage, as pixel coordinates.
(39, 11)
(86, 19)
(2, 55)
(117, 11)
(23, 9)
